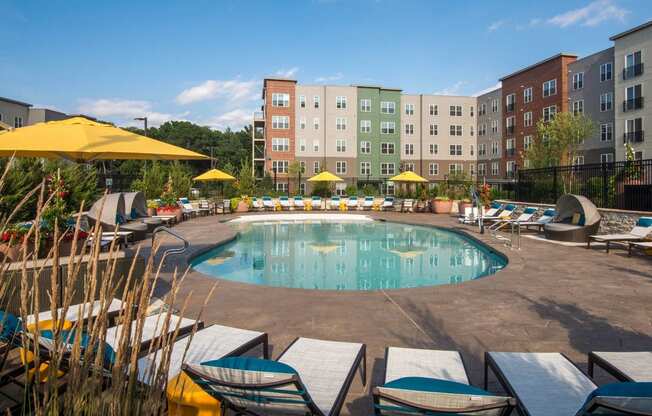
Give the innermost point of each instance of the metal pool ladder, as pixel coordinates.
(514, 239)
(178, 250)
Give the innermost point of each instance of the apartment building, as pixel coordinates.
(14, 113)
(536, 92)
(591, 92)
(490, 166)
(632, 50)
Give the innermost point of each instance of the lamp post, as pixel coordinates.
(144, 120)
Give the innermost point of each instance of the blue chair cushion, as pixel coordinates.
(549, 212)
(530, 210)
(11, 326)
(184, 200)
(616, 390)
(510, 207)
(582, 221)
(251, 364)
(435, 386)
(69, 337)
(495, 205)
(644, 222)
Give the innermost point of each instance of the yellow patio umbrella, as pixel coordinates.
(408, 176)
(82, 140)
(325, 176)
(214, 175)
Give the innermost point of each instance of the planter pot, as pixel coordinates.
(462, 206)
(151, 212)
(11, 252)
(65, 247)
(171, 211)
(442, 207)
(242, 207)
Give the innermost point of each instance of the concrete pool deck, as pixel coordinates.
(549, 298)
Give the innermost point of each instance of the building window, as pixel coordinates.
(409, 149)
(302, 123)
(315, 123)
(280, 166)
(340, 167)
(340, 102)
(433, 169)
(471, 151)
(408, 166)
(527, 119)
(340, 123)
(456, 150)
(365, 168)
(315, 101)
(433, 129)
(282, 187)
(409, 109)
(549, 113)
(510, 167)
(605, 72)
(633, 66)
(365, 147)
(550, 88)
(482, 110)
(633, 98)
(434, 110)
(280, 122)
(365, 105)
(387, 107)
(578, 81)
(387, 169)
(495, 148)
(434, 149)
(455, 110)
(495, 168)
(482, 129)
(302, 145)
(365, 126)
(578, 160)
(494, 126)
(471, 111)
(606, 101)
(302, 188)
(578, 107)
(302, 101)
(510, 123)
(409, 129)
(387, 148)
(302, 167)
(482, 149)
(634, 130)
(280, 100)
(340, 145)
(510, 146)
(494, 105)
(387, 127)
(482, 169)
(316, 168)
(606, 157)
(315, 146)
(527, 142)
(511, 102)
(18, 122)
(455, 168)
(606, 132)
(527, 95)
(455, 130)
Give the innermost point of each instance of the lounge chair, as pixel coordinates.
(493, 210)
(544, 219)
(430, 382)
(284, 202)
(407, 205)
(315, 202)
(213, 342)
(257, 204)
(352, 203)
(310, 377)
(298, 203)
(640, 231)
(624, 366)
(268, 203)
(639, 245)
(504, 213)
(549, 384)
(470, 215)
(75, 312)
(368, 203)
(187, 209)
(388, 203)
(226, 206)
(334, 203)
(204, 207)
(525, 216)
(577, 218)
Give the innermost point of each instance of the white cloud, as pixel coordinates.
(454, 89)
(486, 90)
(234, 119)
(123, 111)
(592, 14)
(287, 73)
(495, 25)
(330, 78)
(232, 90)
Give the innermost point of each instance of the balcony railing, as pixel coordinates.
(259, 116)
(510, 129)
(510, 107)
(632, 71)
(633, 104)
(633, 136)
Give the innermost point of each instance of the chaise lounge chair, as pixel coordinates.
(407, 205)
(352, 203)
(268, 204)
(136, 210)
(549, 384)
(577, 218)
(548, 216)
(257, 204)
(493, 210)
(334, 203)
(625, 366)
(388, 203)
(298, 203)
(526, 216)
(430, 382)
(112, 216)
(368, 203)
(315, 203)
(311, 377)
(640, 231)
(505, 213)
(284, 202)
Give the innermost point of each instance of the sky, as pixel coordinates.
(204, 61)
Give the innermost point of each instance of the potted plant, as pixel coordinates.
(152, 206)
(243, 204)
(442, 204)
(169, 205)
(463, 204)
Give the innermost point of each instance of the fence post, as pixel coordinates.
(554, 184)
(605, 187)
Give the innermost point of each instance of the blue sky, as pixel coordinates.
(204, 61)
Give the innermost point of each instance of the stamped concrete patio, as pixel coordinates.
(549, 298)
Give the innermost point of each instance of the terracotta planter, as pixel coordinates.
(151, 212)
(242, 207)
(442, 207)
(171, 211)
(462, 206)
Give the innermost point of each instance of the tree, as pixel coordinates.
(245, 184)
(558, 141)
(294, 172)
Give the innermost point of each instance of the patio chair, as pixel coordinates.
(187, 209)
(368, 203)
(284, 202)
(268, 203)
(505, 213)
(310, 377)
(226, 206)
(334, 203)
(113, 216)
(388, 203)
(79, 311)
(204, 207)
(625, 366)
(639, 232)
(298, 203)
(433, 382)
(316, 203)
(352, 203)
(407, 205)
(549, 384)
(257, 204)
(525, 216)
(547, 216)
(577, 218)
(644, 246)
(493, 210)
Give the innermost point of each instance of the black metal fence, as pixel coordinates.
(621, 185)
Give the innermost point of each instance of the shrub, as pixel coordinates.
(154, 178)
(181, 179)
(370, 190)
(321, 189)
(351, 190)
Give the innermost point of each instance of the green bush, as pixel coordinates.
(154, 178)
(181, 178)
(321, 189)
(351, 190)
(370, 190)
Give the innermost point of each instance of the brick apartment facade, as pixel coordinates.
(279, 110)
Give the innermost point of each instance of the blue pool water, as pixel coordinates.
(348, 256)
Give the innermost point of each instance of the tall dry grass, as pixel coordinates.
(69, 374)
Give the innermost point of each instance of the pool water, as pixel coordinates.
(348, 256)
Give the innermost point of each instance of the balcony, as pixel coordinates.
(510, 152)
(259, 116)
(259, 133)
(633, 104)
(632, 71)
(634, 136)
(510, 107)
(510, 129)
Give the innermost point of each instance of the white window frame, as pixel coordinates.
(281, 122)
(433, 169)
(455, 150)
(578, 107)
(578, 81)
(409, 109)
(527, 119)
(387, 127)
(433, 109)
(340, 145)
(302, 123)
(551, 111)
(409, 129)
(302, 145)
(606, 132)
(340, 102)
(387, 148)
(340, 123)
(527, 95)
(388, 107)
(606, 101)
(341, 167)
(365, 168)
(408, 149)
(606, 75)
(551, 88)
(316, 101)
(455, 168)
(387, 168)
(302, 101)
(433, 149)
(527, 142)
(433, 130)
(365, 147)
(365, 105)
(316, 166)
(315, 146)
(281, 166)
(280, 99)
(606, 157)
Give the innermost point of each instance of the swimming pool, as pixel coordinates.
(353, 255)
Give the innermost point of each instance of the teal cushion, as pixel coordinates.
(549, 212)
(495, 205)
(510, 207)
(10, 326)
(625, 390)
(69, 337)
(119, 219)
(644, 222)
(582, 220)
(435, 386)
(530, 210)
(251, 364)
(134, 214)
(184, 200)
